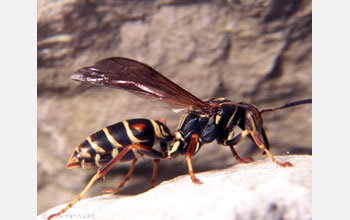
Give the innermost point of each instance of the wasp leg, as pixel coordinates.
(254, 133)
(265, 140)
(100, 173)
(240, 159)
(154, 173)
(146, 151)
(190, 170)
(261, 145)
(235, 141)
(189, 154)
(114, 191)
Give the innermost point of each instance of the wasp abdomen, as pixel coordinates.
(104, 145)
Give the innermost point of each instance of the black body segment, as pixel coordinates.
(117, 134)
(208, 127)
(100, 143)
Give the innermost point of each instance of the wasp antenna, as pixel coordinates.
(291, 104)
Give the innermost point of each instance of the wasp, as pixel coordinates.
(203, 122)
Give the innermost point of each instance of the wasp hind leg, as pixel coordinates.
(146, 151)
(114, 191)
(189, 154)
(154, 173)
(100, 173)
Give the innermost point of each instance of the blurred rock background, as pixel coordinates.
(254, 51)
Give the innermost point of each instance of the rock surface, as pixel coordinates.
(254, 51)
(258, 190)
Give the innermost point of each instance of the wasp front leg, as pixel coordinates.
(260, 138)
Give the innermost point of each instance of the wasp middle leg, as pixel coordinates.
(235, 141)
(189, 154)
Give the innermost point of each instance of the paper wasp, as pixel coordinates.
(204, 121)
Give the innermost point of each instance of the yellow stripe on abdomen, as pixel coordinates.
(111, 139)
(131, 136)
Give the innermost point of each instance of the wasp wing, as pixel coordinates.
(136, 77)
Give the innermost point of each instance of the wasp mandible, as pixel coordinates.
(203, 122)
